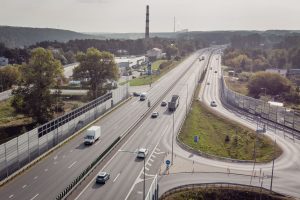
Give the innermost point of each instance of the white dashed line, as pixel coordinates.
(147, 168)
(116, 177)
(151, 160)
(24, 186)
(153, 156)
(149, 164)
(55, 163)
(46, 170)
(55, 157)
(34, 197)
(11, 196)
(72, 164)
(35, 177)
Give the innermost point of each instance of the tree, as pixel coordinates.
(33, 97)
(278, 58)
(9, 76)
(272, 83)
(97, 69)
(171, 50)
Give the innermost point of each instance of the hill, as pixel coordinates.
(22, 36)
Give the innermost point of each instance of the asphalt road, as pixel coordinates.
(48, 178)
(124, 167)
(286, 166)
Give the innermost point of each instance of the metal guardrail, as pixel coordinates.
(280, 118)
(223, 185)
(25, 148)
(77, 180)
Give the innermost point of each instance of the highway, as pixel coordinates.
(124, 167)
(46, 179)
(286, 166)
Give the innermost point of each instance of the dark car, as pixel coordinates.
(163, 103)
(102, 177)
(136, 94)
(216, 71)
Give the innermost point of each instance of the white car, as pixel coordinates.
(142, 153)
(213, 104)
(154, 115)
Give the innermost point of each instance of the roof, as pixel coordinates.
(273, 103)
(143, 150)
(102, 173)
(174, 98)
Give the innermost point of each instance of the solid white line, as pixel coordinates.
(142, 171)
(11, 196)
(24, 186)
(122, 147)
(116, 177)
(72, 164)
(34, 197)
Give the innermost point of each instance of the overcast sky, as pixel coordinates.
(129, 15)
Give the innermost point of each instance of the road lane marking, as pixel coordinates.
(71, 150)
(24, 186)
(72, 164)
(116, 177)
(149, 164)
(64, 156)
(55, 157)
(55, 163)
(122, 147)
(147, 168)
(34, 197)
(153, 156)
(35, 177)
(142, 171)
(11, 196)
(151, 160)
(46, 170)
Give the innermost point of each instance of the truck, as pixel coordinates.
(143, 96)
(174, 103)
(92, 135)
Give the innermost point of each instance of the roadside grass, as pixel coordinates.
(230, 192)
(8, 116)
(212, 130)
(146, 79)
(237, 86)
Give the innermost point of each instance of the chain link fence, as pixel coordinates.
(21, 150)
(280, 115)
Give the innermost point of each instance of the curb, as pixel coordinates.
(44, 155)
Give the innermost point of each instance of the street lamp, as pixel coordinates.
(173, 141)
(144, 181)
(265, 89)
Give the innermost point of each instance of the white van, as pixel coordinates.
(143, 96)
(92, 134)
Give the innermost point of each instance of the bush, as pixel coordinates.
(165, 64)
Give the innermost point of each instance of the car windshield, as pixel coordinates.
(90, 137)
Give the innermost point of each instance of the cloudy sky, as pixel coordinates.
(129, 15)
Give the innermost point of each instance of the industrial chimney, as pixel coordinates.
(147, 22)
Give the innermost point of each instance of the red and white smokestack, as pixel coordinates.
(147, 22)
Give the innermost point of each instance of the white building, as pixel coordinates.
(282, 72)
(3, 61)
(155, 53)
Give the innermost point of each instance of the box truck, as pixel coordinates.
(173, 104)
(92, 134)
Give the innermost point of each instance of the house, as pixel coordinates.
(3, 61)
(154, 54)
(282, 72)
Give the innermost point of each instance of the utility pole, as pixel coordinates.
(173, 140)
(174, 24)
(144, 188)
(274, 154)
(186, 101)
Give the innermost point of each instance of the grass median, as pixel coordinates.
(221, 137)
(146, 79)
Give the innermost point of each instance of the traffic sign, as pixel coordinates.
(168, 162)
(196, 138)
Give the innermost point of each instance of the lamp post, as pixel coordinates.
(173, 141)
(274, 154)
(186, 101)
(265, 89)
